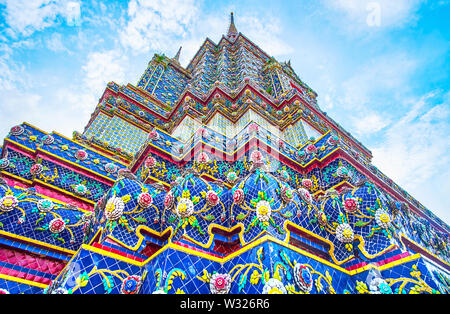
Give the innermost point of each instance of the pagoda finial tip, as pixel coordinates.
(177, 56)
(232, 31)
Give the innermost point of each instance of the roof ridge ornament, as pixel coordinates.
(177, 56)
(232, 31)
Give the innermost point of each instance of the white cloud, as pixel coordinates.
(54, 43)
(8, 77)
(24, 17)
(58, 109)
(163, 26)
(263, 30)
(153, 24)
(79, 105)
(12, 74)
(416, 147)
(375, 13)
(266, 32)
(365, 98)
(61, 108)
(387, 74)
(103, 67)
(370, 123)
(415, 152)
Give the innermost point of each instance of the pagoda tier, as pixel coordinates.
(221, 177)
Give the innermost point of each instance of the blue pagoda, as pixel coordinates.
(222, 177)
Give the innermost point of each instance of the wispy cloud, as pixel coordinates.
(163, 26)
(360, 15)
(153, 25)
(385, 75)
(416, 147)
(24, 17)
(55, 43)
(370, 123)
(103, 67)
(9, 73)
(265, 31)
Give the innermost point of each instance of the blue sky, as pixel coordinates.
(381, 68)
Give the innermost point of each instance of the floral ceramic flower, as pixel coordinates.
(47, 139)
(231, 177)
(4, 163)
(382, 218)
(36, 169)
(150, 162)
(303, 277)
(342, 172)
(344, 233)
(333, 140)
(8, 202)
(81, 154)
(80, 189)
(57, 225)
(351, 205)
(203, 158)
(311, 149)
(301, 156)
(114, 208)
(274, 286)
(131, 285)
(45, 205)
(59, 290)
(307, 183)
(185, 208)
(263, 210)
(211, 198)
(17, 130)
(145, 200)
(305, 195)
(4, 291)
(379, 286)
(256, 157)
(238, 196)
(110, 167)
(286, 194)
(322, 218)
(220, 283)
(284, 175)
(169, 200)
(153, 135)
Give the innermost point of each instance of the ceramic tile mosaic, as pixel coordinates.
(149, 199)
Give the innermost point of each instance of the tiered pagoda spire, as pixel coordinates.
(177, 56)
(232, 30)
